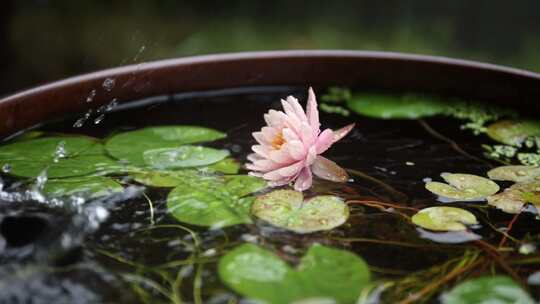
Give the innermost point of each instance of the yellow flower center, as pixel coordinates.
(278, 141)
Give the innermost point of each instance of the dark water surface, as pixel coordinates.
(48, 255)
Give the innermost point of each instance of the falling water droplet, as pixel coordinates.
(60, 151)
(108, 84)
(6, 168)
(91, 95)
(99, 119)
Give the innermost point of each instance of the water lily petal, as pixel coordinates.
(329, 170)
(311, 110)
(340, 133)
(260, 150)
(304, 180)
(297, 108)
(324, 141)
(296, 149)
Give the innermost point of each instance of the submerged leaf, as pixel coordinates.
(463, 187)
(322, 273)
(60, 156)
(164, 178)
(89, 187)
(444, 219)
(396, 107)
(513, 199)
(287, 209)
(515, 173)
(130, 146)
(495, 289)
(512, 132)
(183, 157)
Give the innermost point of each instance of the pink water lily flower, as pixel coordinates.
(289, 146)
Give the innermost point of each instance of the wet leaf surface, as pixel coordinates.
(444, 219)
(87, 187)
(495, 289)
(60, 156)
(287, 209)
(514, 173)
(130, 146)
(213, 201)
(513, 132)
(323, 272)
(183, 157)
(513, 199)
(463, 187)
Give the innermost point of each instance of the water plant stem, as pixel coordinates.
(452, 143)
(508, 229)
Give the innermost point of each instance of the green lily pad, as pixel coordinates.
(183, 157)
(513, 199)
(225, 166)
(164, 178)
(287, 209)
(213, 200)
(90, 187)
(514, 173)
(444, 219)
(512, 132)
(130, 146)
(60, 156)
(322, 273)
(495, 289)
(463, 187)
(396, 107)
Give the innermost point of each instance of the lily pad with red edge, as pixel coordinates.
(513, 199)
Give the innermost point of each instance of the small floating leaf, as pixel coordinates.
(183, 157)
(130, 146)
(513, 199)
(463, 187)
(322, 273)
(287, 209)
(495, 289)
(444, 218)
(90, 187)
(396, 107)
(512, 132)
(60, 156)
(514, 173)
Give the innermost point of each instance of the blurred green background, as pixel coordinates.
(42, 41)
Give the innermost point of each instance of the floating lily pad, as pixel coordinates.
(513, 132)
(322, 273)
(495, 289)
(130, 146)
(164, 178)
(444, 219)
(513, 199)
(515, 173)
(396, 107)
(213, 201)
(60, 156)
(287, 209)
(225, 166)
(463, 187)
(89, 187)
(183, 157)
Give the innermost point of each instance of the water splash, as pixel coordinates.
(108, 84)
(60, 151)
(91, 96)
(6, 168)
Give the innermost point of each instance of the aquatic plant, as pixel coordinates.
(291, 143)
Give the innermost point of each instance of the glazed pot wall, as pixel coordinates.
(369, 70)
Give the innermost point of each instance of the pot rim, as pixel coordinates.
(239, 56)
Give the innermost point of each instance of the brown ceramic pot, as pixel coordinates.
(374, 70)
